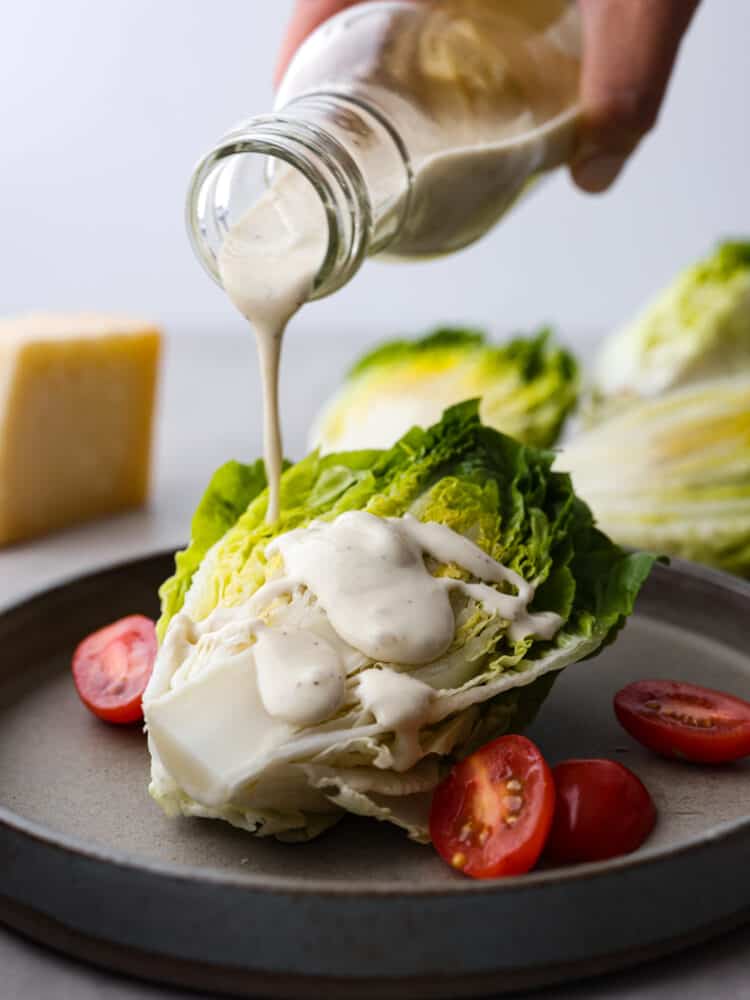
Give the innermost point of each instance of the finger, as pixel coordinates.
(629, 49)
(307, 15)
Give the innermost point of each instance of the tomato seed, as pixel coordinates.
(514, 785)
(458, 860)
(690, 720)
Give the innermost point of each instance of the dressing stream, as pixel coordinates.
(268, 264)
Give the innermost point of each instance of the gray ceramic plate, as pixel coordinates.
(89, 865)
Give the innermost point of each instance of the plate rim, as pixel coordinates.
(280, 885)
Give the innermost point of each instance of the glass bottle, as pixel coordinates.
(417, 122)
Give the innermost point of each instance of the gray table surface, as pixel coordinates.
(209, 412)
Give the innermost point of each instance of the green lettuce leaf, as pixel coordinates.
(230, 490)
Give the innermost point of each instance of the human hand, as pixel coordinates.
(629, 49)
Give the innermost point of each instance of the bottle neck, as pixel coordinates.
(351, 157)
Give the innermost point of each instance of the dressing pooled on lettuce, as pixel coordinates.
(407, 606)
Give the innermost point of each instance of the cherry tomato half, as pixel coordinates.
(111, 668)
(685, 720)
(602, 810)
(492, 814)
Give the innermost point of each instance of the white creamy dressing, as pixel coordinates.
(401, 704)
(268, 264)
(370, 577)
(256, 674)
(300, 675)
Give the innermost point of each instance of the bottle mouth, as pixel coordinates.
(229, 180)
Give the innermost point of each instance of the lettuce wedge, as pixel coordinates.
(499, 493)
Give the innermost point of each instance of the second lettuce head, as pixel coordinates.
(694, 330)
(527, 388)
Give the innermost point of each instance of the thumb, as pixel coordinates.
(307, 15)
(629, 49)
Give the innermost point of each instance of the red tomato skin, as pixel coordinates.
(602, 811)
(476, 792)
(127, 646)
(685, 721)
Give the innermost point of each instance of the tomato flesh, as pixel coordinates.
(490, 817)
(602, 810)
(112, 666)
(685, 721)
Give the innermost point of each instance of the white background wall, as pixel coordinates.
(107, 103)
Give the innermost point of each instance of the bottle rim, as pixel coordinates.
(327, 166)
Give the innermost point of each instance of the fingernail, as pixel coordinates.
(596, 173)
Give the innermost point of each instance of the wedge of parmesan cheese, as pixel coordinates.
(76, 414)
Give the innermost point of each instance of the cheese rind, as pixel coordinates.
(77, 397)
